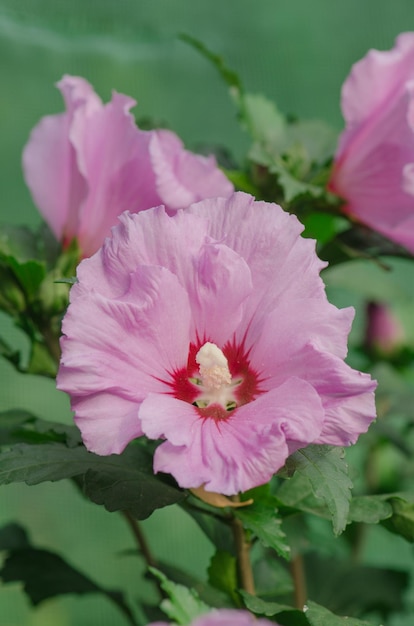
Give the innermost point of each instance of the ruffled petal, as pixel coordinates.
(246, 449)
(183, 177)
(125, 348)
(286, 332)
(282, 264)
(218, 289)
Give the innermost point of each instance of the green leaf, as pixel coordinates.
(29, 274)
(369, 509)
(286, 615)
(222, 573)
(19, 426)
(13, 536)
(119, 482)
(327, 472)
(358, 243)
(209, 595)
(263, 520)
(402, 520)
(183, 604)
(45, 574)
(211, 523)
(348, 588)
(12, 299)
(319, 616)
(262, 607)
(41, 361)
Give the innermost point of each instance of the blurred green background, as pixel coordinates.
(297, 52)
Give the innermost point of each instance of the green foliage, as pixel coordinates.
(347, 587)
(183, 604)
(319, 616)
(401, 520)
(262, 519)
(222, 573)
(30, 265)
(45, 574)
(369, 509)
(326, 471)
(119, 482)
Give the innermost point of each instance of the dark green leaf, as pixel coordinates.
(263, 520)
(19, 426)
(13, 537)
(348, 588)
(271, 576)
(402, 520)
(319, 616)
(29, 274)
(222, 573)
(118, 482)
(45, 574)
(183, 604)
(12, 299)
(360, 242)
(211, 523)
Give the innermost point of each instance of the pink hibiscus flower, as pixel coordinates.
(374, 164)
(211, 329)
(225, 617)
(86, 166)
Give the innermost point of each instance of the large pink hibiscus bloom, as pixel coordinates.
(85, 166)
(211, 329)
(225, 617)
(374, 164)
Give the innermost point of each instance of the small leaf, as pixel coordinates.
(183, 605)
(402, 520)
(29, 274)
(212, 596)
(222, 573)
(263, 520)
(327, 471)
(319, 616)
(286, 614)
(369, 509)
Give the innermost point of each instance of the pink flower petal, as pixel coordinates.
(119, 347)
(378, 142)
(183, 177)
(280, 261)
(50, 162)
(230, 455)
(113, 156)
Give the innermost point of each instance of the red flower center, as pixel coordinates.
(188, 384)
